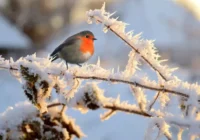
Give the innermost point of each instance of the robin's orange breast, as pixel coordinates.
(87, 45)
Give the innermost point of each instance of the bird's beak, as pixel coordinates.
(94, 39)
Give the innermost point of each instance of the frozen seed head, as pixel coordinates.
(88, 97)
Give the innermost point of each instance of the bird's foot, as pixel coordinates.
(79, 65)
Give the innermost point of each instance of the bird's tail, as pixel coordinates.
(54, 56)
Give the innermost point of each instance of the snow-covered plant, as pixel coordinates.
(28, 123)
(44, 120)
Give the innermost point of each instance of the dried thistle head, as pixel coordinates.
(91, 100)
(35, 88)
(88, 97)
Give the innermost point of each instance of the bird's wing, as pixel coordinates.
(71, 40)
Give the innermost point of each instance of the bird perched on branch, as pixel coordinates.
(76, 49)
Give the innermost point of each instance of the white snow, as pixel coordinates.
(13, 116)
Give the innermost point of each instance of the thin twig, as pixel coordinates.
(128, 110)
(166, 135)
(74, 87)
(10, 68)
(106, 115)
(63, 109)
(55, 105)
(58, 104)
(154, 100)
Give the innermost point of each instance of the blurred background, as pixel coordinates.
(29, 26)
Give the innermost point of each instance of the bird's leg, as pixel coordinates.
(67, 65)
(79, 65)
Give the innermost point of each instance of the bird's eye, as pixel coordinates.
(87, 36)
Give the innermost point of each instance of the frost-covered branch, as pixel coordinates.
(151, 85)
(143, 48)
(126, 109)
(116, 107)
(136, 84)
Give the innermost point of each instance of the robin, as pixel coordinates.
(76, 49)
